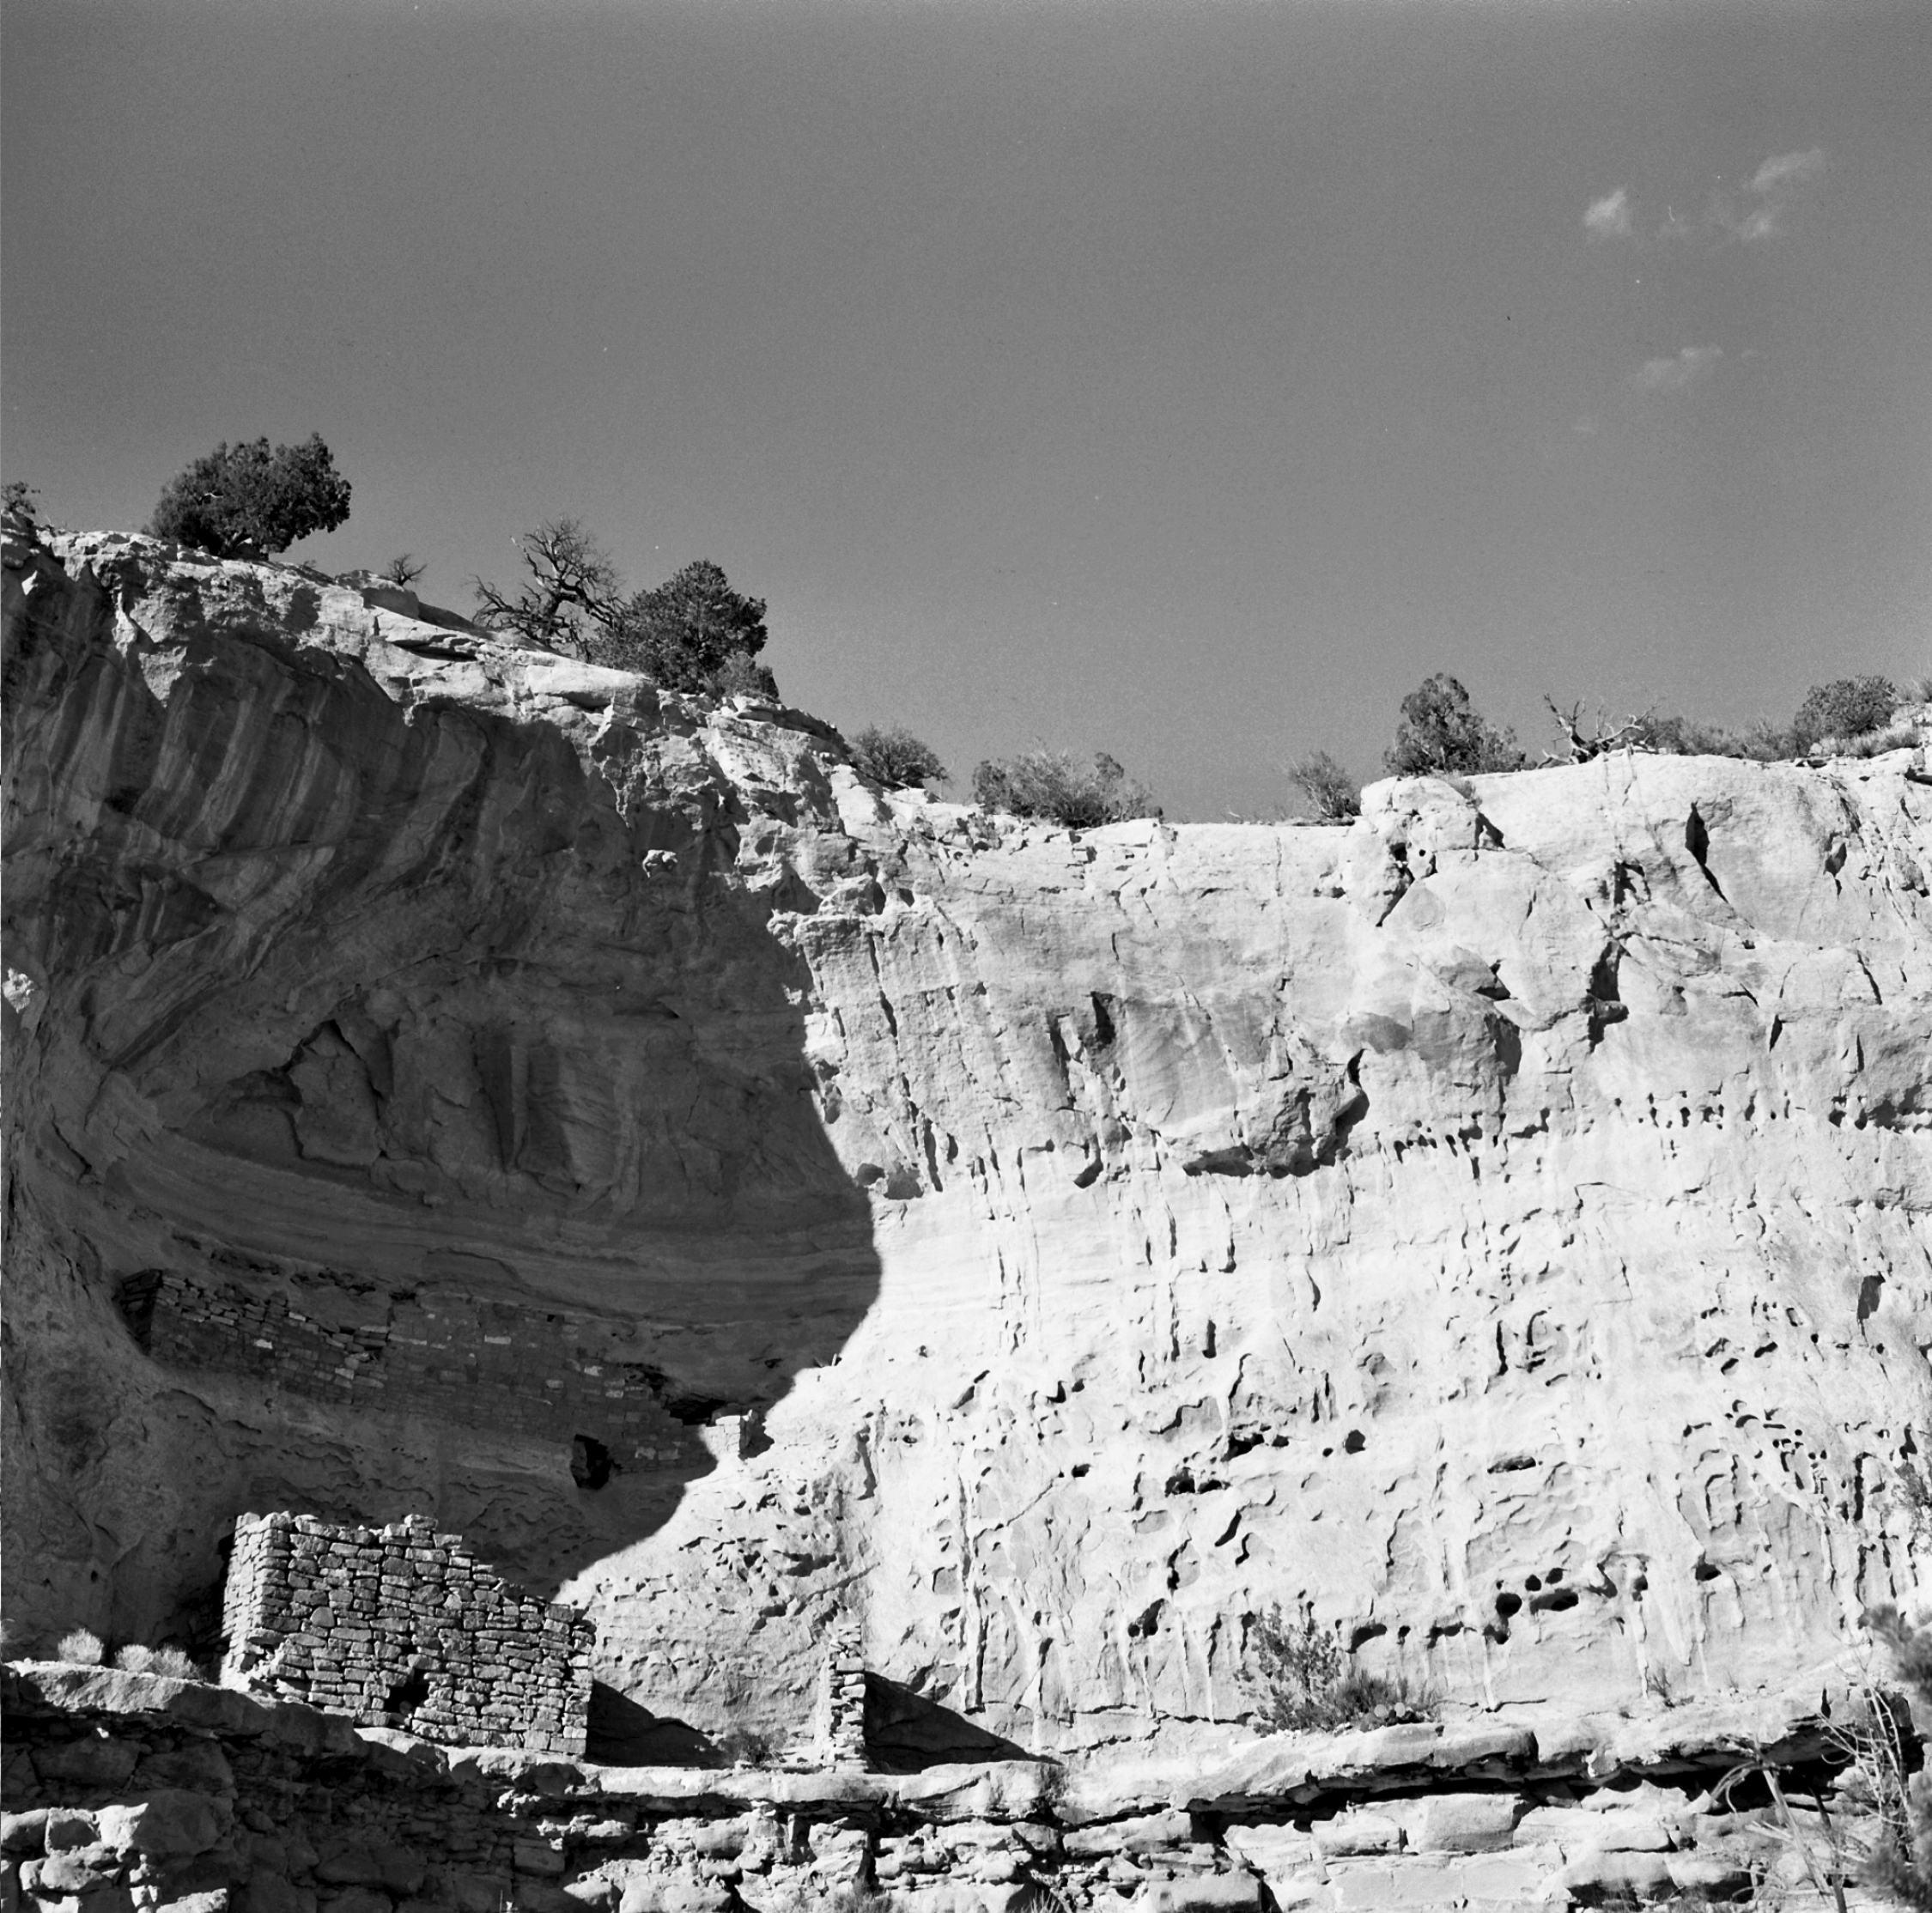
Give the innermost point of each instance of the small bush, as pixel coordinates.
(1057, 786)
(1333, 794)
(1902, 1865)
(1900, 736)
(746, 1746)
(135, 1659)
(82, 1646)
(837, 1899)
(174, 1663)
(1441, 731)
(1672, 736)
(402, 570)
(741, 675)
(1302, 1682)
(1846, 707)
(20, 515)
(1912, 1483)
(896, 758)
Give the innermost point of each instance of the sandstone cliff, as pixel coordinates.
(447, 1079)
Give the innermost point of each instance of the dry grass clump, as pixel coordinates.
(171, 1662)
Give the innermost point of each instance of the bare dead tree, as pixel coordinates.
(1584, 745)
(572, 585)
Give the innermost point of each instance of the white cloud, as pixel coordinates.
(1693, 363)
(1789, 169)
(1776, 183)
(1609, 216)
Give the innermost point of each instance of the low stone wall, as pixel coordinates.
(136, 1791)
(402, 1627)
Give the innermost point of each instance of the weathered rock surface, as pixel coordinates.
(730, 1196)
(247, 1804)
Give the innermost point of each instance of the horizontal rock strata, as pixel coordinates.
(127, 1785)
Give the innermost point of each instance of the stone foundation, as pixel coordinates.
(402, 1627)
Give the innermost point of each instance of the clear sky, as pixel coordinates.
(1185, 380)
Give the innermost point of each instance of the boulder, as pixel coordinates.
(1466, 1823)
(168, 1823)
(1357, 1832)
(198, 1765)
(24, 1832)
(265, 1892)
(91, 1760)
(78, 1870)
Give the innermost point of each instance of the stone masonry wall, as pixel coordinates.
(550, 1373)
(402, 1627)
(840, 1721)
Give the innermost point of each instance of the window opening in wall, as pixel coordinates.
(591, 1464)
(409, 1693)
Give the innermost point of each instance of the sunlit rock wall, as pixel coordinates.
(1499, 1228)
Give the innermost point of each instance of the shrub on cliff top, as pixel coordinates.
(1057, 786)
(687, 632)
(1441, 731)
(245, 500)
(895, 758)
(1849, 717)
(1332, 793)
(82, 1646)
(1847, 707)
(20, 515)
(692, 633)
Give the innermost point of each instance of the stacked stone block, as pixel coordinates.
(402, 1627)
(546, 1373)
(842, 1697)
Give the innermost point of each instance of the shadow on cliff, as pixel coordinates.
(905, 1734)
(412, 1114)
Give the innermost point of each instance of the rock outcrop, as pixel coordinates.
(134, 1791)
(445, 1079)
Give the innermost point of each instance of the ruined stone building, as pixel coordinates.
(402, 1627)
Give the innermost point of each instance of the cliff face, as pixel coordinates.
(447, 1079)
